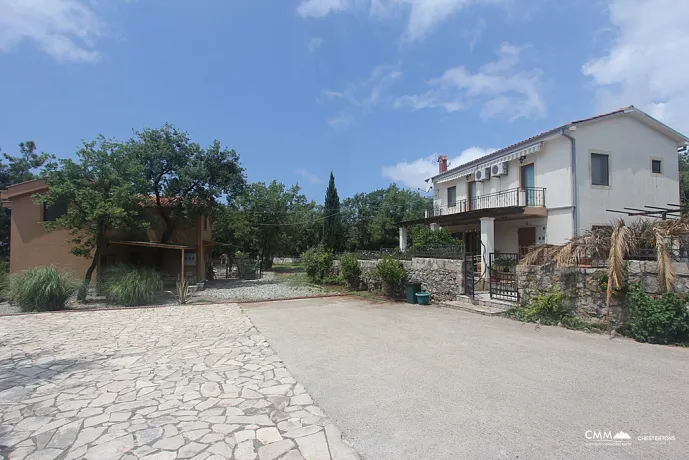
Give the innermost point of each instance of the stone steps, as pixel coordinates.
(481, 304)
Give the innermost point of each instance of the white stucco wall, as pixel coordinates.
(631, 146)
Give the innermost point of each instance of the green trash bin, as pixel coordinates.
(423, 297)
(411, 289)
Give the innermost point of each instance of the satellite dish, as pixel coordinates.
(429, 187)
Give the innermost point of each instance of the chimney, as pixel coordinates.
(442, 164)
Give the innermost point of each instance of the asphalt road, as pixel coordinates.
(411, 382)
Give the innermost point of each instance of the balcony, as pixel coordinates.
(532, 197)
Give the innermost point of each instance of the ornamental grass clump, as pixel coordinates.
(41, 289)
(131, 286)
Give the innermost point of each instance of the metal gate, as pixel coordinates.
(503, 276)
(469, 274)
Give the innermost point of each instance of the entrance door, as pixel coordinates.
(527, 238)
(528, 180)
(471, 202)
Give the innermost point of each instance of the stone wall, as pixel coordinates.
(443, 278)
(581, 285)
(585, 287)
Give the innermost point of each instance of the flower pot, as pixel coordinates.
(423, 298)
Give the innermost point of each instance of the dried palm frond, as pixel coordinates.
(666, 270)
(621, 240)
(543, 254)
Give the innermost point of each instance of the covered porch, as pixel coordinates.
(488, 231)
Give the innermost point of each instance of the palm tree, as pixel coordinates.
(613, 245)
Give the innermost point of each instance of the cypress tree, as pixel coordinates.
(332, 225)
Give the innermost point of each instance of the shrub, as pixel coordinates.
(548, 308)
(318, 264)
(41, 289)
(4, 279)
(391, 272)
(657, 319)
(350, 270)
(131, 286)
(425, 236)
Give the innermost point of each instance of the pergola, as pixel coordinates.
(658, 212)
(150, 244)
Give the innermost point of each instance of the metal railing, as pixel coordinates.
(516, 197)
(431, 252)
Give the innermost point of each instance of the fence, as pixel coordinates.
(431, 252)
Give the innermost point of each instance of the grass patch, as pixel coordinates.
(575, 323)
(41, 289)
(292, 267)
(131, 286)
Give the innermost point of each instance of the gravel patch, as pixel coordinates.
(7, 309)
(267, 288)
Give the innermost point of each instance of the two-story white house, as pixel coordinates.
(555, 185)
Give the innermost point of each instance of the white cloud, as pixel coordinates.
(310, 177)
(367, 92)
(362, 94)
(319, 8)
(64, 29)
(646, 64)
(315, 43)
(421, 15)
(414, 173)
(340, 122)
(500, 89)
(476, 33)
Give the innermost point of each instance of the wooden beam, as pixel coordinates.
(182, 271)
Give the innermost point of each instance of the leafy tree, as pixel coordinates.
(372, 219)
(332, 224)
(13, 170)
(182, 178)
(269, 219)
(684, 177)
(99, 190)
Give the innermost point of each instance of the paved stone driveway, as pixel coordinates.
(195, 382)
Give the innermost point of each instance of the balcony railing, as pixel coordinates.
(517, 197)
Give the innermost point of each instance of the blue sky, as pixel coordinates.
(371, 89)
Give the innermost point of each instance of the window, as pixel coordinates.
(600, 173)
(452, 196)
(656, 166)
(54, 211)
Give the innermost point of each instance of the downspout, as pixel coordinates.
(575, 196)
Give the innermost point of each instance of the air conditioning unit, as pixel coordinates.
(499, 169)
(482, 174)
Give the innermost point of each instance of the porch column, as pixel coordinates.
(403, 239)
(487, 241)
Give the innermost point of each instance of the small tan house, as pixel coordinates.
(184, 255)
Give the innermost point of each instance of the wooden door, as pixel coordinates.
(527, 238)
(471, 196)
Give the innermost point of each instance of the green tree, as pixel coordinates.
(332, 223)
(99, 192)
(684, 177)
(183, 179)
(13, 170)
(372, 219)
(269, 219)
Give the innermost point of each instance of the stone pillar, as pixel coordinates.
(487, 242)
(434, 226)
(403, 239)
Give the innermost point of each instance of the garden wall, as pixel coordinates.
(585, 287)
(443, 278)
